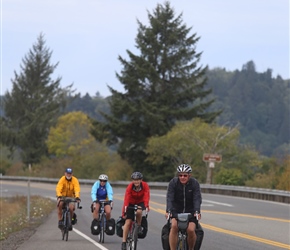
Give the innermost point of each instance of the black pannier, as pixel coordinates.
(165, 236)
(110, 226)
(144, 228)
(95, 227)
(119, 226)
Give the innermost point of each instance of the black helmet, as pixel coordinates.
(136, 176)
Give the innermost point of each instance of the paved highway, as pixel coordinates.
(229, 223)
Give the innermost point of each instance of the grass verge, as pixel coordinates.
(13, 213)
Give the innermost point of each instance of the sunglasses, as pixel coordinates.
(183, 175)
(102, 181)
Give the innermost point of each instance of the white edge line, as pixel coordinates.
(89, 239)
(84, 236)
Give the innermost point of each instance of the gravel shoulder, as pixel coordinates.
(16, 239)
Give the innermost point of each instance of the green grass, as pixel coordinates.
(13, 213)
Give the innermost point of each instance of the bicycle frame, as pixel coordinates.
(66, 216)
(132, 238)
(102, 220)
(182, 222)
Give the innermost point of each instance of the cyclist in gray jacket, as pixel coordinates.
(183, 196)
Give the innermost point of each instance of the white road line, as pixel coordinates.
(90, 240)
(219, 203)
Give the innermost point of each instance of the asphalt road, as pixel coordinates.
(229, 223)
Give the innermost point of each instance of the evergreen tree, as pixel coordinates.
(163, 84)
(33, 104)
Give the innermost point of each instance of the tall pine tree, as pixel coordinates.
(33, 104)
(163, 84)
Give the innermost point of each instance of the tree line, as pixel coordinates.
(172, 110)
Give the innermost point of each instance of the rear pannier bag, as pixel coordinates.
(95, 227)
(144, 228)
(119, 226)
(110, 226)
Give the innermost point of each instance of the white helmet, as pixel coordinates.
(184, 168)
(103, 177)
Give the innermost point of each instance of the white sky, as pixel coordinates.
(87, 36)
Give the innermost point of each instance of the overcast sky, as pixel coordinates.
(87, 36)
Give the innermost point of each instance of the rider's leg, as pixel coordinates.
(173, 234)
(59, 210)
(108, 211)
(71, 209)
(126, 229)
(96, 210)
(139, 216)
(191, 236)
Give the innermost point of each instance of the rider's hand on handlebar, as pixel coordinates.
(78, 199)
(197, 215)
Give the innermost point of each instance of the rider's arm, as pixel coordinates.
(109, 191)
(127, 197)
(77, 188)
(94, 191)
(146, 195)
(197, 196)
(170, 196)
(59, 187)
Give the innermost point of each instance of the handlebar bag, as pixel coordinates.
(182, 220)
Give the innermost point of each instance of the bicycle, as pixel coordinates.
(132, 238)
(102, 220)
(66, 216)
(182, 223)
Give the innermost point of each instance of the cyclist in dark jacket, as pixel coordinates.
(183, 196)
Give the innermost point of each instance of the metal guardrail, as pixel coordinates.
(240, 191)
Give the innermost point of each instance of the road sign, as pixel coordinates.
(212, 158)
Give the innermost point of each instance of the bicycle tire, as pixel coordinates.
(68, 224)
(102, 225)
(135, 237)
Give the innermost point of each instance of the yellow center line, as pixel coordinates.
(246, 236)
(246, 215)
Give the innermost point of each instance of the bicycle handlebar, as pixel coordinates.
(67, 200)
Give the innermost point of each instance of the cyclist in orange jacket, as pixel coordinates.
(137, 193)
(67, 186)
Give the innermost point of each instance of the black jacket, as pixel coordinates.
(183, 198)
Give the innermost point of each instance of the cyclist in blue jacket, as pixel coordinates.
(102, 190)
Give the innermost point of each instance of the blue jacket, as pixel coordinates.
(95, 188)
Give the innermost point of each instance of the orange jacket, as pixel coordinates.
(68, 188)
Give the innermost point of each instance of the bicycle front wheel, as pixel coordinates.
(102, 232)
(67, 225)
(135, 237)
